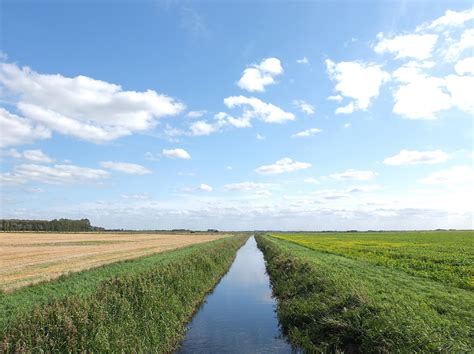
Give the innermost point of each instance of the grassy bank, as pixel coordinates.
(138, 305)
(327, 302)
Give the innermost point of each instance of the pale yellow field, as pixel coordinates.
(27, 258)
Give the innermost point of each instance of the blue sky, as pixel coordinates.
(243, 115)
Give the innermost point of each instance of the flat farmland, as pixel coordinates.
(28, 258)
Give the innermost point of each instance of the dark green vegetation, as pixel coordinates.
(329, 302)
(444, 256)
(140, 305)
(60, 225)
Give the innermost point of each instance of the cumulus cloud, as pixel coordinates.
(176, 154)
(15, 130)
(257, 76)
(260, 137)
(358, 81)
(84, 107)
(205, 187)
(466, 41)
(465, 66)
(282, 166)
(57, 174)
(255, 108)
(450, 18)
(419, 96)
(202, 128)
(408, 46)
(307, 133)
(357, 175)
(125, 167)
(304, 107)
(414, 157)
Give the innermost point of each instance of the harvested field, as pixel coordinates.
(28, 258)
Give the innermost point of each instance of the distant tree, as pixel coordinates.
(45, 225)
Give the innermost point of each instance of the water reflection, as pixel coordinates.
(239, 316)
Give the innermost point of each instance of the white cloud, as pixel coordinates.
(414, 157)
(454, 176)
(202, 128)
(466, 41)
(196, 114)
(205, 187)
(224, 119)
(357, 175)
(347, 125)
(255, 108)
(461, 89)
(125, 167)
(419, 96)
(57, 174)
(408, 46)
(247, 186)
(465, 66)
(303, 60)
(450, 18)
(282, 166)
(176, 154)
(348, 109)
(256, 77)
(36, 156)
(307, 133)
(260, 137)
(337, 98)
(304, 107)
(15, 130)
(84, 107)
(359, 81)
(311, 180)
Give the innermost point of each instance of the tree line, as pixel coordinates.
(48, 225)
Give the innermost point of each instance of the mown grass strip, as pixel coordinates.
(140, 305)
(331, 303)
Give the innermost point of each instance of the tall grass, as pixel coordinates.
(331, 303)
(139, 311)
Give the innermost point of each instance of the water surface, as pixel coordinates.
(239, 316)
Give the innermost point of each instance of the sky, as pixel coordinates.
(239, 115)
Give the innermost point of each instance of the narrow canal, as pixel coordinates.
(239, 316)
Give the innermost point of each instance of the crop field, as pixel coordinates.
(444, 256)
(28, 258)
(374, 292)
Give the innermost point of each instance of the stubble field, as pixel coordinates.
(28, 258)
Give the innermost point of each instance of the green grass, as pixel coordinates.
(328, 302)
(138, 305)
(444, 256)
